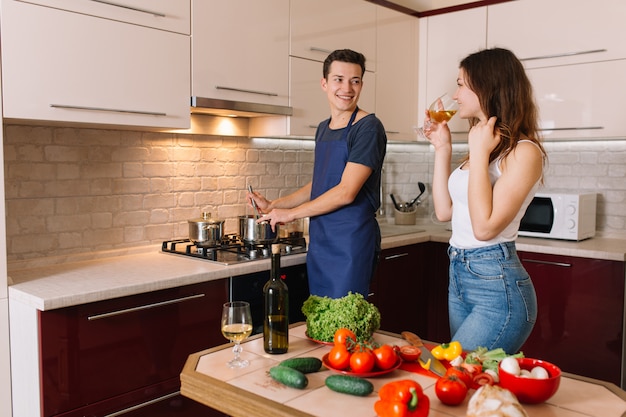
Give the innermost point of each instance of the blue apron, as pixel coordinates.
(343, 244)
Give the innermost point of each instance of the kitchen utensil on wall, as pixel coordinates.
(206, 231)
(257, 233)
(422, 188)
(435, 366)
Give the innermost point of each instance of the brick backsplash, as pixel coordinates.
(73, 190)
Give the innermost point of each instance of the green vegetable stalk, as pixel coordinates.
(324, 315)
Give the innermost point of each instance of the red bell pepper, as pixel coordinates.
(404, 398)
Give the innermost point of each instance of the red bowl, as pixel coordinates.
(531, 390)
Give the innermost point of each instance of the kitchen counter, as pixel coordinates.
(251, 392)
(52, 283)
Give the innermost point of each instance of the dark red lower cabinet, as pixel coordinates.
(580, 314)
(104, 357)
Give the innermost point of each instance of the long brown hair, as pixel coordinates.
(499, 80)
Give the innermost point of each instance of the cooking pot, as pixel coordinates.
(206, 231)
(258, 233)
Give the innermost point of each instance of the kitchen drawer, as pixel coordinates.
(106, 356)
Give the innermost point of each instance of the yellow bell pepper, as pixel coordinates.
(447, 351)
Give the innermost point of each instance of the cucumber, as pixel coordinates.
(352, 385)
(289, 376)
(305, 365)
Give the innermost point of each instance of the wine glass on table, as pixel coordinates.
(236, 327)
(440, 110)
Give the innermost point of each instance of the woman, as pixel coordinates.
(491, 298)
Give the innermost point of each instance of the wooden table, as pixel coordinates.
(251, 392)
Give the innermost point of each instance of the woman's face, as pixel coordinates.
(469, 105)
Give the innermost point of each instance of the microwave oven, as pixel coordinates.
(560, 215)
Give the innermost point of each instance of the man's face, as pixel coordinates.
(343, 85)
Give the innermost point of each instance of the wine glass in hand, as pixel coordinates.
(441, 110)
(236, 327)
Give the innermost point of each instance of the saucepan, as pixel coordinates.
(206, 231)
(258, 233)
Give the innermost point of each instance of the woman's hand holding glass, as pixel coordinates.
(441, 110)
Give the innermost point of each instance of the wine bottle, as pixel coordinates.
(276, 308)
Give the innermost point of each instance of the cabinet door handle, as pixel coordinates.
(392, 132)
(123, 6)
(69, 106)
(574, 128)
(564, 54)
(242, 90)
(536, 261)
(144, 404)
(316, 49)
(398, 255)
(144, 307)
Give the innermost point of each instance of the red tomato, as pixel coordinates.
(385, 357)
(461, 373)
(342, 335)
(410, 353)
(362, 361)
(339, 357)
(450, 390)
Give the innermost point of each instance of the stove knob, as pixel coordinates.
(266, 252)
(253, 253)
(288, 248)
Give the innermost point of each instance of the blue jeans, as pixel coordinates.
(491, 298)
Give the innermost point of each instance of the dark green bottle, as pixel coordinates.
(276, 308)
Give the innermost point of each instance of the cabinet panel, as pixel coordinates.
(78, 68)
(171, 15)
(308, 100)
(396, 73)
(580, 314)
(590, 110)
(559, 32)
(400, 289)
(106, 356)
(248, 63)
(442, 50)
(322, 26)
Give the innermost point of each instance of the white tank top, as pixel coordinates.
(462, 233)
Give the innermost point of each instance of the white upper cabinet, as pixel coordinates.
(396, 73)
(322, 26)
(61, 66)
(557, 32)
(443, 44)
(171, 15)
(581, 101)
(240, 50)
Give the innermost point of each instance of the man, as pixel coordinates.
(343, 197)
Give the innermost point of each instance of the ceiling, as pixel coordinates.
(423, 8)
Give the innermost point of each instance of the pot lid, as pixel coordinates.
(206, 218)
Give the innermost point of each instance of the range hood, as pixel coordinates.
(229, 108)
(423, 8)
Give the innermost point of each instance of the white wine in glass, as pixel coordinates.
(236, 327)
(440, 110)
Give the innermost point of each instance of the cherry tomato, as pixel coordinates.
(343, 335)
(362, 361)
(450, 390)
(410, 353)
(385, 357)
(461, 373)
(482, 378)
(339, 357)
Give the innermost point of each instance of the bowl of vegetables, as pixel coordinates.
(532, 381)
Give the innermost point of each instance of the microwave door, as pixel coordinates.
(539, 217)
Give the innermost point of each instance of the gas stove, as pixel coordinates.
(233, 250)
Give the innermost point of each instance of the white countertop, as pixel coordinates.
(54, 283)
